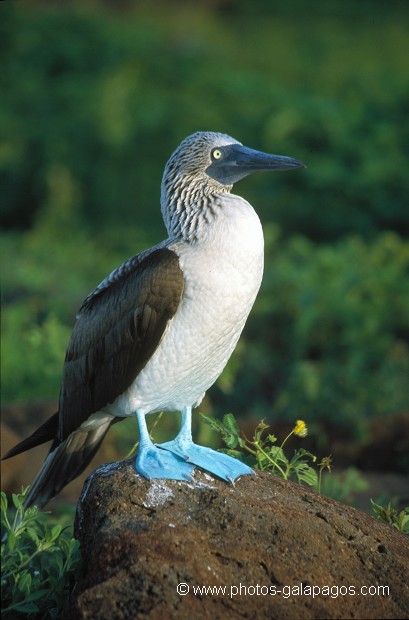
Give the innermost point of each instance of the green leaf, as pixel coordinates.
(300, 454)
(214, 424)
(307, 474)
(228, 429)
(16, 500)
(27, 608)
(36, 559)
(58, 562)
(11, 539)
(404, 522)
(55, 532)
(35, 596)
(4, 503)
(230, 423)
(271, 438)
(277, 454)
(24, 583)
(33, 535)
(390, 515)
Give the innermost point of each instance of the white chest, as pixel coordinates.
(222, 276)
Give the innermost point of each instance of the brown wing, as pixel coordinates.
(118, 330)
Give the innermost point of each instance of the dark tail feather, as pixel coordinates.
(46, 432)
(65, 462)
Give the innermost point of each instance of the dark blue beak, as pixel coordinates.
(234, 162)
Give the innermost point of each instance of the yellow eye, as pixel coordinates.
(216, 153)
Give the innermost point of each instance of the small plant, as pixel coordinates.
(266, 455)
(37, 559)
(326, 463)
(391, 516)
(344, 485)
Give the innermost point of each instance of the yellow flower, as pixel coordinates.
(300, 428)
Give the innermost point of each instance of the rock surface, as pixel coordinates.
(270, 543)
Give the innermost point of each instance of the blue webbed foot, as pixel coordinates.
(221, 465)
(152, 462)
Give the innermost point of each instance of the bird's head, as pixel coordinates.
(206, 164)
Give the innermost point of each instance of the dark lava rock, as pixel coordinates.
(273, 549)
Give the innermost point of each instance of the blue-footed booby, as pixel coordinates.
(158, 331)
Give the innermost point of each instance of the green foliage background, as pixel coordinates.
(96, 95)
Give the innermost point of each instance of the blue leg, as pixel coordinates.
(221, 465)
(152, 462)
